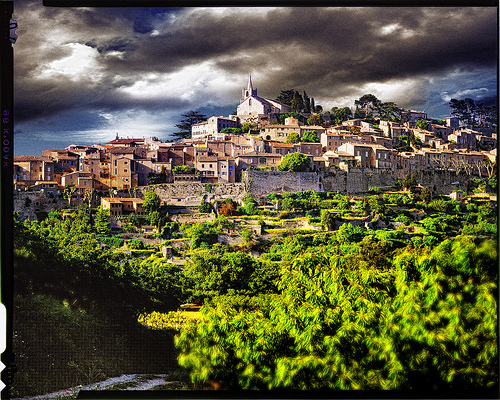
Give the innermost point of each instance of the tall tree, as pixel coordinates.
(307, 103)
(151, 201)
(339, 115)
(390, 111)
(187, 121)
(286, 97)
(369, 103)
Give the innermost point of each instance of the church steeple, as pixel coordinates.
(249, 87)
(249, 91)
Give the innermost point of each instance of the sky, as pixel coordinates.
(85, 75)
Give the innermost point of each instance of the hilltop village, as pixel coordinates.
(216, 162)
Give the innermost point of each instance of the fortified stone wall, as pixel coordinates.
(29, 203)
(355, 181)
(260, 183)
(191, 193)
(443, 182)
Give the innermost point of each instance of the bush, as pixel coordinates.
(428, 321)
(205, 207)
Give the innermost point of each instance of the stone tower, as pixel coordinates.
(249, 90)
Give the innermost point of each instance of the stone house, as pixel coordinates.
(80, 180)
(280, 148)
(257, 160)
(123, 206)
(123, 175)
(211, 128)
(67, 160)
(424, 135)
(312, 149)
(215, 169)
(49, 188)
(29, 169)
(280, 132)
(464, 139)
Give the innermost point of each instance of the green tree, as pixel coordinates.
(427, 321)
(151, 201)
(185, 124)
(409, 182)
(327, 220)
(315, 119)
(215, 272)
(339, 115)
(183, 169)
(307, 103)
(101, 221)
(205, 207)
(369, 103)
(422, 124)
(286, 97)
(248, 127)
(155, 219)
(425, 195)
(294, 162)
(293, 137)
(310, 137)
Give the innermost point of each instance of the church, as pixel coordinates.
(255, 109)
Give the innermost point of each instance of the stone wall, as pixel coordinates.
(191, 193)
(260, 183)
(39, 202)
(355, 181)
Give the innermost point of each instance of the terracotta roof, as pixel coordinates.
(124, 150)
(31, 158)
(125, 141)
(111, 200)
(281, 144)
(255, 154)
(207, 158)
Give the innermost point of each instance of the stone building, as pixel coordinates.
(29, 169)
(212, 127)
(254, 108)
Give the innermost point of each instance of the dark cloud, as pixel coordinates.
(331, 53)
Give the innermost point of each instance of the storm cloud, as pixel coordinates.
(157, 63)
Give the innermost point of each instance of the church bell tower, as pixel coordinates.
(249, 90)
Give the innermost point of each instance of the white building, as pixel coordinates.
(211, 128)
(252, 105)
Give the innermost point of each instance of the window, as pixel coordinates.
(48, 169)
(202, 165)
(126, 162)
(230, 173)
(85, 183)
(125, 170)
(210, 166)
(366, 154)
(230, 167)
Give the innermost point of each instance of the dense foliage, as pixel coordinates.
(294, 162)
(388, 290)
(427, 321)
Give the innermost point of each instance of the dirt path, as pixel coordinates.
(124, 382)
